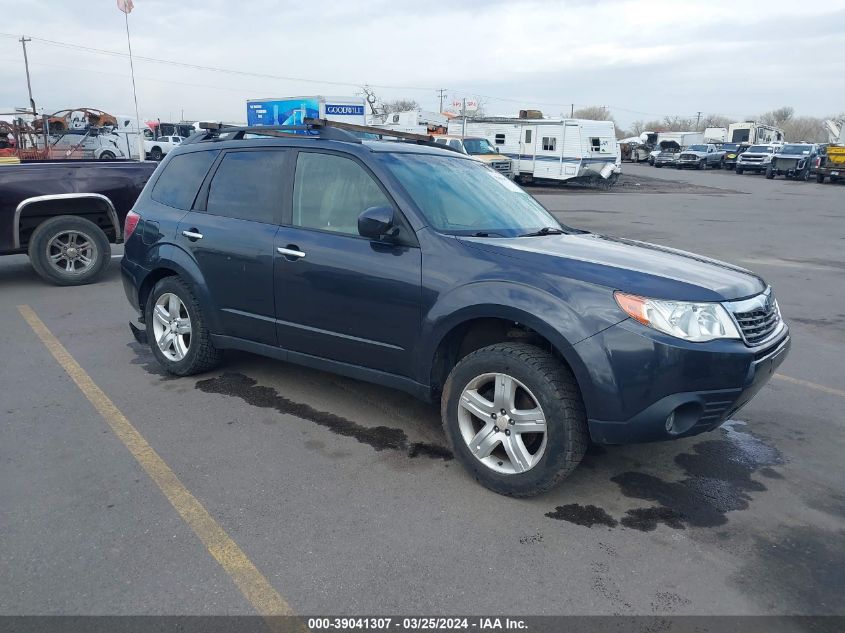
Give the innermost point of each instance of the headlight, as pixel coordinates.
(691, 321)
(731, 155)
(768, 158)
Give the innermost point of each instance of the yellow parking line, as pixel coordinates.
(254, 586)
(811, 385)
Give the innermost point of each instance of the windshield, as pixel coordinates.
(795, 149)
(464, 197)
(761, 149)
(478, 146)
(697, 148)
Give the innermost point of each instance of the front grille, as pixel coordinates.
(752, 159)
(689, 157)
(502, 166)
(758, 324)
(786, 163)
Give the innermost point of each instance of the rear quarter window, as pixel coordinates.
(181, 179)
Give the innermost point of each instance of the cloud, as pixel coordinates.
(643, 58)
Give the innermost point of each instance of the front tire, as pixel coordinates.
(770, 174)
(739, 170)
(69, 251)
(156, 153)
(820, 178)
(539, 439)
(702, 165)
(176, 330)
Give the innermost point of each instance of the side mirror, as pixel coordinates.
(497, 150)
(376, 222)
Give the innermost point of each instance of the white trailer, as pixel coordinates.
(415, 121)
(754, 133)
(550, 149)
(683, 139)
(715, 135)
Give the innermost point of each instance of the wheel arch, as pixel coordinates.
(171, 261)
(475, 329)
(95, 207)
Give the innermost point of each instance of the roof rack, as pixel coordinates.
(315, 128)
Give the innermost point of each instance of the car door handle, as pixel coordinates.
(192, 235)
(291, 251)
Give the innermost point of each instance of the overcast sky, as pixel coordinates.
(642, 58)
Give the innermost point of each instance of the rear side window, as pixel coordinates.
(248, 186)
(178, 184)
(330, 192)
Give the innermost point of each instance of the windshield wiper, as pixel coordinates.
(546, 230)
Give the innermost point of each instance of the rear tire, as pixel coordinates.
(544, 389)
(69, 251)
(156, 153)
(820, 178)
(107, 156)
(176, 353)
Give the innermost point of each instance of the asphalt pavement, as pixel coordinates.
(343, 498)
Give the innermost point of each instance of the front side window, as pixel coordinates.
(465, 197)
(330, 192)
(178, 184)
(595, 144)
(248, 186)
(480, 146)
(549, 143)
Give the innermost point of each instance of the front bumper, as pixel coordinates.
(752, 166)
(689, 162)
(637, 377)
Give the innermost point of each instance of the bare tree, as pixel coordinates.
(593, 113)
(715, 120)
(805, 128)
(777, 117)
(399, 105)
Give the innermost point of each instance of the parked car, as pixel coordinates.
(160, 147)
(755, 158)
(668, 155)
(732, 153)
(793, 160)
(423, 270)
(65, 214)
(481, 149)
(701, 157)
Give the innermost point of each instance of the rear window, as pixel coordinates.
(178, 184)
(248, 186)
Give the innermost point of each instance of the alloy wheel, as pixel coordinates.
(171, 326)
(502, 423)
(72, 252)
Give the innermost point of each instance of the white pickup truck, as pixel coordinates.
(158, 148)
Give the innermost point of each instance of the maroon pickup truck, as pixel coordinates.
(66, 214)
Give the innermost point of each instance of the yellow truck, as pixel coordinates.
(832, 162)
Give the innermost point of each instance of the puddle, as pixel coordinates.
(717, 480)
(380, 438)
(144, 358)
(588, 515)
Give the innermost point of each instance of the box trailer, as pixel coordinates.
(294, 110)
(550, 149)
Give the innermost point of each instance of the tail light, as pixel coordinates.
(129, 224)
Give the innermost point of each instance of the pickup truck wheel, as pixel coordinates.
(819, 178)
(806, 175)
(514, 418)
(107, 156)
(176, 330)
(703, 164)
(69, 251)
(156, 153)
(770, 174)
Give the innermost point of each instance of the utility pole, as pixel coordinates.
(23, 42)
(697, 120)
(442, 92)
(571, 110)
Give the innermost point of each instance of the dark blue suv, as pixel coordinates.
(424, 270)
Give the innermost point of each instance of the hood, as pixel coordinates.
(631, 266)
(669, 145)
(694, 152)
(489, 158)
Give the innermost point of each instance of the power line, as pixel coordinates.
(357, 85)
